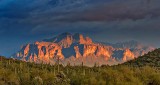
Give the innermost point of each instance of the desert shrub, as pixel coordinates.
(37, 81)
(48, 78)
(61, 79)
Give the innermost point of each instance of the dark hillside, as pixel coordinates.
(150, 59)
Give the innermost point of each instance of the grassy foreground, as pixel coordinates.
(14, 72)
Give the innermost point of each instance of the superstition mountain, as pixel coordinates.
(76, 48)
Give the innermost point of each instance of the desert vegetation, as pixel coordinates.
(135, 72)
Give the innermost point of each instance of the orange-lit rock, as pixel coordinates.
(81, 39)
(77, 48)
(89, 50)
(26, 50)
(66, 42)
(102, 51)
(88, 40)
(128, 55)
(41, 51)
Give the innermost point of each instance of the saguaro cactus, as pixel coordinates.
(58, 63)
(83, 70)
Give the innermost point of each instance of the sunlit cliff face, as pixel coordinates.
(128, 55)
(75, 48)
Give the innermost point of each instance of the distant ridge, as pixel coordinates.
(77, 48)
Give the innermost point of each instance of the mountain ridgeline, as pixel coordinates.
(150, 59)
(76, 48)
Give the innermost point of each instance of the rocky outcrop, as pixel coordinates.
(40, 52)
(76, 49)
(128, 55)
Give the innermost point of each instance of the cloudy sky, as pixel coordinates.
(26, 21)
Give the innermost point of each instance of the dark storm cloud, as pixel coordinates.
(110, 20)
(47, 15)
(117, 10)
(53, 16)
(54, 11)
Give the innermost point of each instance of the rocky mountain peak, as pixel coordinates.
(81, 39)
(77, 48)
(67, 39)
